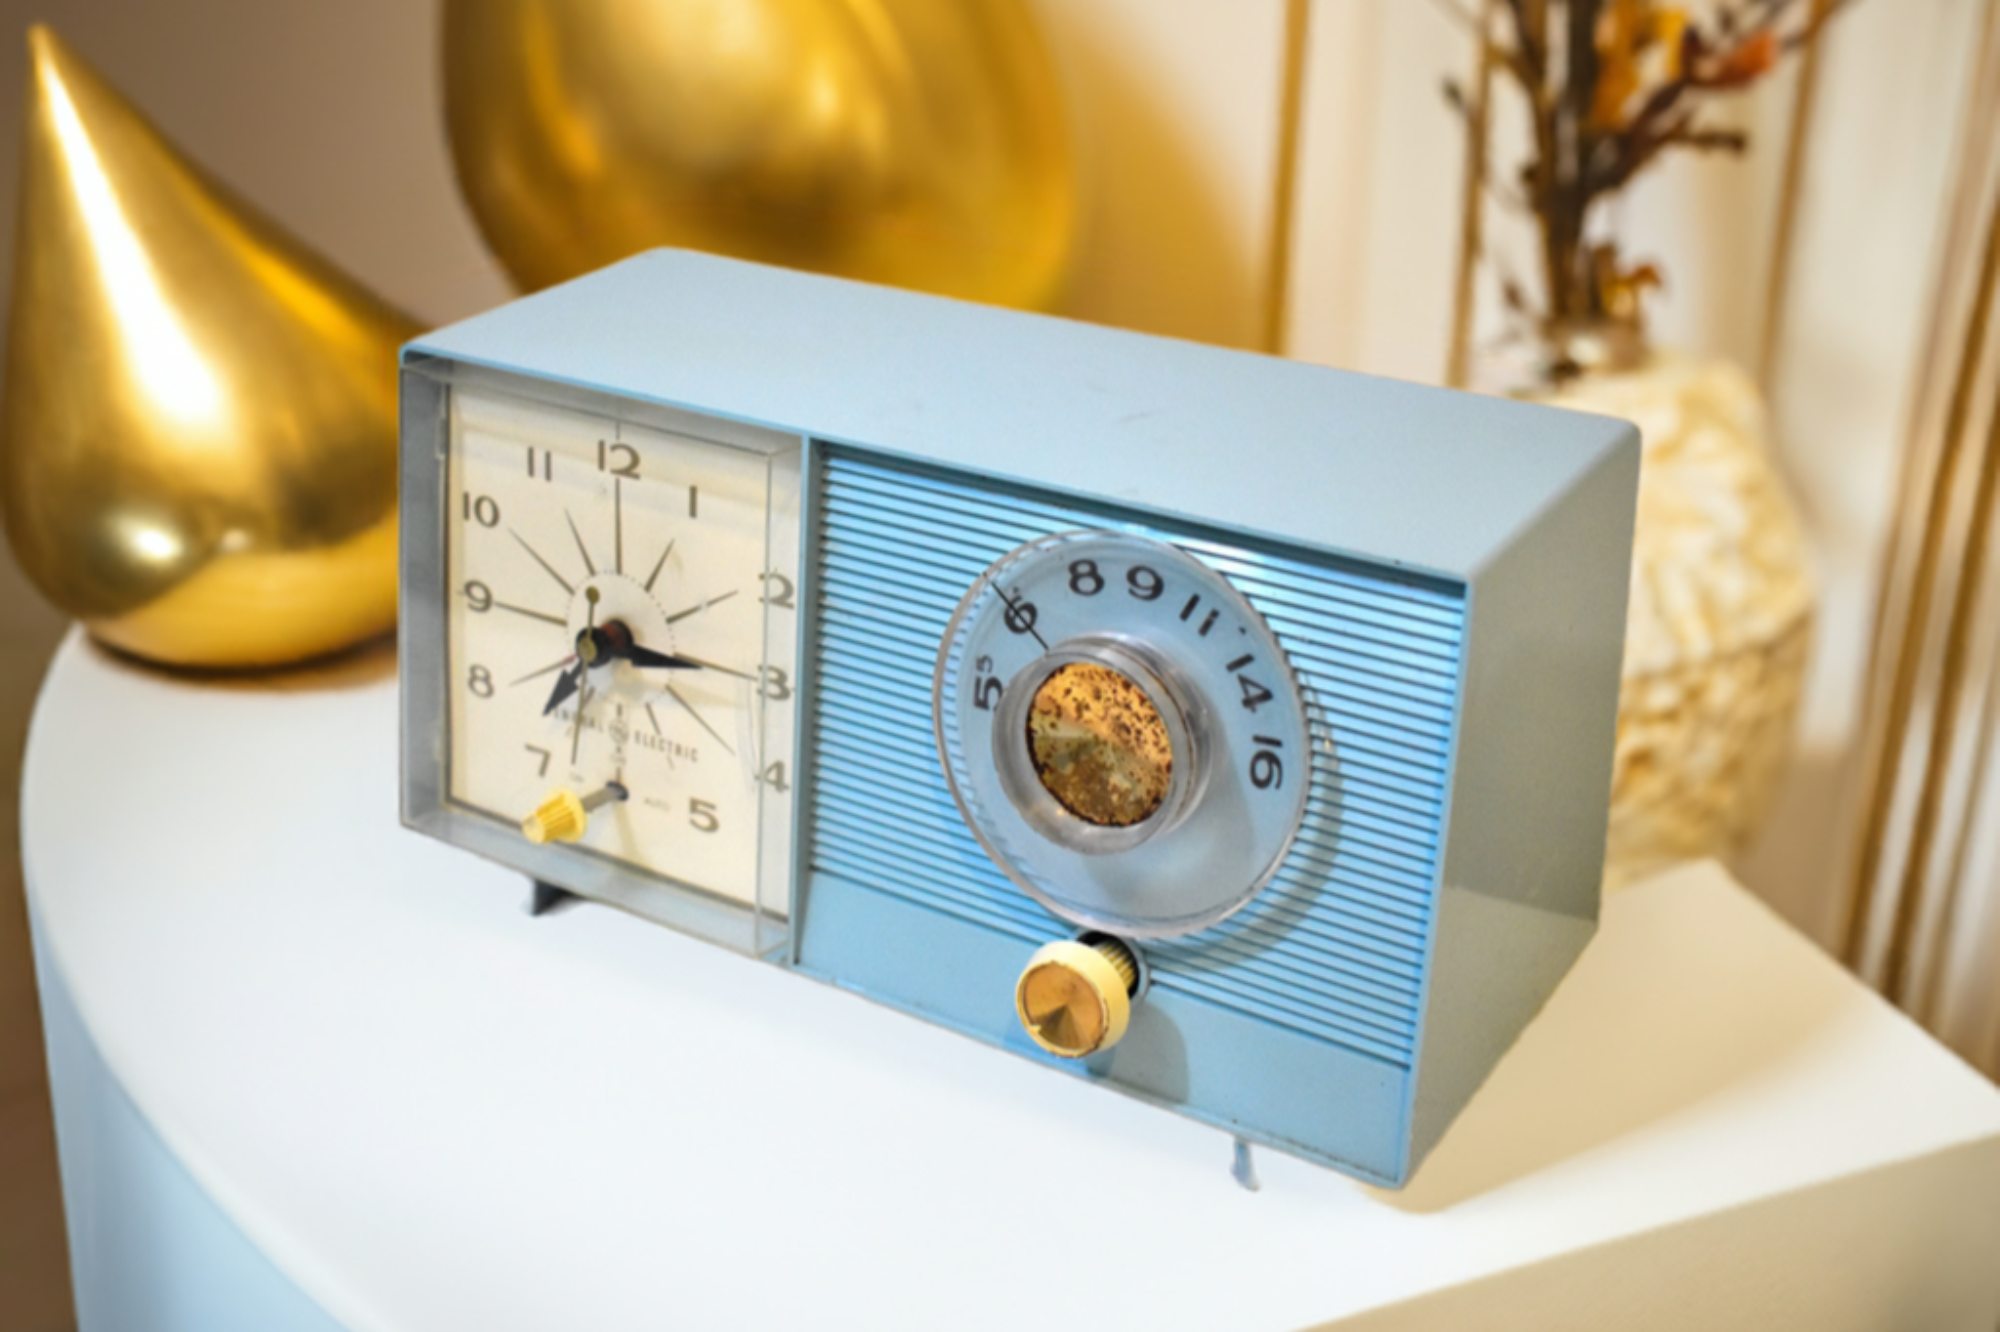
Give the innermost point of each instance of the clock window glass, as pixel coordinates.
(620, 641)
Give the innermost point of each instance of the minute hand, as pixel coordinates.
(643, 656)
(717, 666)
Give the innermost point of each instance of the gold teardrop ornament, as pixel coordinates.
(910, 142)
(198, 452)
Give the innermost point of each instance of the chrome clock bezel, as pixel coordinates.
(760, 926)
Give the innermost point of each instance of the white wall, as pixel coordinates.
(1176, 102)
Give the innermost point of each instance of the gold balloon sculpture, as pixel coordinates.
(198, 455)
(914, 142)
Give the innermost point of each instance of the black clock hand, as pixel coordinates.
(718, 666)
(609, 646)
(572, 679)
(614, 642)
(566, 684)
(641, 656)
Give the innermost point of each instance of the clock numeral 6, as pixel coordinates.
(701, 815)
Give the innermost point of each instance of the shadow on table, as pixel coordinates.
(364, 664)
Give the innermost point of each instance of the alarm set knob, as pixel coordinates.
(564, 815)
(1075, 996)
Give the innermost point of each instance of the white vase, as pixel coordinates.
(1720, 614)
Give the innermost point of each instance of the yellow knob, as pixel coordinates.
(1075, 998)
(560, 818)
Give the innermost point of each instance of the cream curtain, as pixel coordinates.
(1924, 915)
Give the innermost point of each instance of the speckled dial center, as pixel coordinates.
(1099, 745)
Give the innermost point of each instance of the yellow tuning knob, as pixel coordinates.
(1075, 998)
(564, 815)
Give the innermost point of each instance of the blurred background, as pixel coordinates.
(328, 115)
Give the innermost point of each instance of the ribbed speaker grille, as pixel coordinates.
(1334, 946)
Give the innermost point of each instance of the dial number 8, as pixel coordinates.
(1084, 579)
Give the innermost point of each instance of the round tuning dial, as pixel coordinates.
(1123, 733)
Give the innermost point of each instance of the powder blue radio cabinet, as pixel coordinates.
(1350, 909)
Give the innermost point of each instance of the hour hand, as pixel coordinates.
(566, 684)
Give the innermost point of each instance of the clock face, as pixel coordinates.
(621, 630)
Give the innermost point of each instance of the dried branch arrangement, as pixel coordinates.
(1610, 85)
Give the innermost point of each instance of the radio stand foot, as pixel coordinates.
(1244, 1170)
(546, 897)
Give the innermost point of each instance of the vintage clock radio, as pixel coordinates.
(1232, 732)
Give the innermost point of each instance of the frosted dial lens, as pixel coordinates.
(1122, 732)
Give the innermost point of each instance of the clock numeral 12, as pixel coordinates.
(617, 459)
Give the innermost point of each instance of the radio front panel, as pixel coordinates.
(1326, 963)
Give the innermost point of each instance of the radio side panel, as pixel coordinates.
(1531, 782)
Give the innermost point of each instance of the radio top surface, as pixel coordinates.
(1232, 732)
